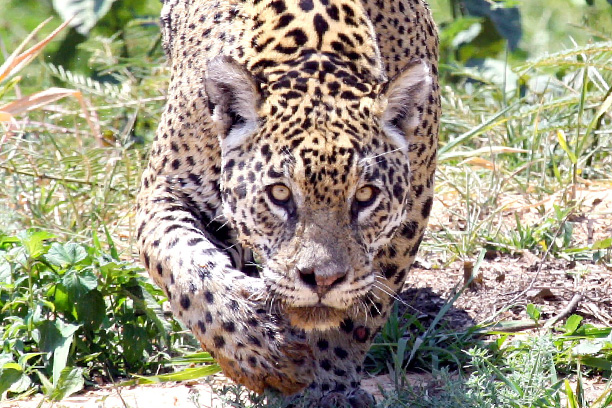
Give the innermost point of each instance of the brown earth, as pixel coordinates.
(504, 283)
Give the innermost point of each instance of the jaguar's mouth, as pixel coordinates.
(316, 317)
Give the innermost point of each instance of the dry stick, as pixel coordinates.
(548, 323)
(567, 310)
(45, 176)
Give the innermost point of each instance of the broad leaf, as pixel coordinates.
(66, 255)
(572, 323)
(533, 312)
(61, 300)
(53, 334)
(588, 347)
(91, 310)
(10, 373)
(79, 283)
(33, 241)
(135, 341)
(60, 358)
(70, 381)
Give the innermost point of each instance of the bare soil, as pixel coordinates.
(505, 282)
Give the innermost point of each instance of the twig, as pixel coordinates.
(548, 323)
(45, 176)
(571, 306)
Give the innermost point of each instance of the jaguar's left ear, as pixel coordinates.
(403, 97)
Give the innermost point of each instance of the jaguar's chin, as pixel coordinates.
(318, 317)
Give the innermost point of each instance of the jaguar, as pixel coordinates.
(290, 182)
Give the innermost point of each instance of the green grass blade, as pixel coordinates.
(192, 373)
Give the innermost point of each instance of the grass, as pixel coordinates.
(67, 232)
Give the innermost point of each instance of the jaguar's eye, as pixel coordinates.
(366, 195)
(279, 194)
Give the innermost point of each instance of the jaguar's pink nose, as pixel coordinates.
(322, 281)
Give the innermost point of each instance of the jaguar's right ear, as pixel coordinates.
(233, 98)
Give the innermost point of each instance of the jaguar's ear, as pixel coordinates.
(233, 98)
(403, 98)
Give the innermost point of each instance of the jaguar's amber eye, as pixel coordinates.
(365, 195)
(279, 193)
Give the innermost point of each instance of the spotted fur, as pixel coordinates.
(290, 181)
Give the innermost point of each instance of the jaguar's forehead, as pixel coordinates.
(318, 98)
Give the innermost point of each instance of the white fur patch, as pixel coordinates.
(238, 135)
(405, 95)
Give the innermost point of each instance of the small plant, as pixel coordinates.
(406, 343)
(527, 371)
(71, 313)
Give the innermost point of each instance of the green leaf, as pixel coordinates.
(602, 244)
(588, 348)
(70, 381)
(597, 362)
(201, 357)
(533, 312)
(111, 243)
(48, 336)
(60, 358)
(6, 358)
(572, 323)
(10, 373)
(135, 341)
(56, 337)
(61, 300)
(563, 143)
(153, 311)
(44, 381)
(23, 359)
(6, 272)
(66, 255)
(33, 241)
(93, 311)
(79, 283)
(588, 330)
(192, 373)
(572, 402)
(23, 384)
(84, 13)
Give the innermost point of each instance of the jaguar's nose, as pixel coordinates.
(322, 281)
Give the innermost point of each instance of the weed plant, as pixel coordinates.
(71, 312)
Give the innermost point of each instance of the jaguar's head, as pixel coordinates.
(316, 176)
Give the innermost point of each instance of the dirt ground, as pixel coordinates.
(504, 284)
